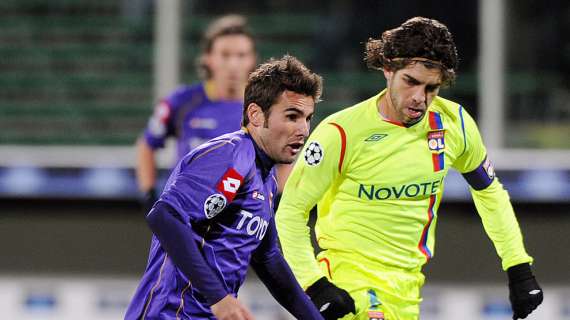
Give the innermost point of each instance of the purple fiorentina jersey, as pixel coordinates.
(189, 115)
(224, 189)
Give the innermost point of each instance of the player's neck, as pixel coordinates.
(385, 108)
(255, 136)
(228, 92)
(261, 147)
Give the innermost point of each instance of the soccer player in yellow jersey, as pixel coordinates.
(376, 171)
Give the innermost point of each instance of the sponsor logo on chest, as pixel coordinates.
(203, 123)
(253, 225)
(412, 190)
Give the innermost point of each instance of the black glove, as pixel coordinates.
(148, 199)
(524, 292)
(332, 301)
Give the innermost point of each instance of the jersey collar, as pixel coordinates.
(397, 123)
(210, 92)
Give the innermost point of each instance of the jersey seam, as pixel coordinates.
(463, 131)
(155, 286)
(185, 109)
(342, 146)
(221, 144)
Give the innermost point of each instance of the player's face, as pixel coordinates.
(411, 90)
(287, 126)
(230, 60)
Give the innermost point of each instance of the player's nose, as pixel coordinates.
(419, 95)
(233, 62)
(303, 128)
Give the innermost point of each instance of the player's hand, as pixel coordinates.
(229, 308)
(332, 301)
(148, 199)
(524, 292)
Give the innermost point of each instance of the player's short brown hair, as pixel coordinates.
(231, 24)
(419, 37)
(270, 79)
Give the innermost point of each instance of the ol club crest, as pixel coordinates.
(436, 140)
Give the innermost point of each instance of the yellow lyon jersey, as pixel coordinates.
(378, 186)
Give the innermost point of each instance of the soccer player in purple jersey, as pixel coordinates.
(197, 113)
(215, 216)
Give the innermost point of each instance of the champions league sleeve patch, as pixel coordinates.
(314, 154)
(214, 204)
(482, 176)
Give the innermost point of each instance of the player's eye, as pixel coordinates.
(431, 88)
(412, 82)
(291, 116)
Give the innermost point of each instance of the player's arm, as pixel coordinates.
(307, 183)
(316, 170)
(177, 239)
(159, 127)
(275, 273)
(196, 192)
(491, 199)
(146, 173)
(282, 172)
(496, 211)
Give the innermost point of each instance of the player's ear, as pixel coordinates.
(204, 60)
(388, 75)
(255, 115)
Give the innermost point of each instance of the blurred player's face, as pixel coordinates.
(230, 60)
(410, 91)
(283, 132)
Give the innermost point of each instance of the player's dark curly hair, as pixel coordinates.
(419, 37)
(271, 78)
(231, 24)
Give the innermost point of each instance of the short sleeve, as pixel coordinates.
(161, 124)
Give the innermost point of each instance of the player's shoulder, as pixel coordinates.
(450, 111)
(185, 93)
(353, 118)
(236, 147)
(232, 143)
(185, 89)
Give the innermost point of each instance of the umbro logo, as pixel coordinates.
(376, 137)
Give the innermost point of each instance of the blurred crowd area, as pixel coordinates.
(81, 72)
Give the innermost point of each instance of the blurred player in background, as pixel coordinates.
(215, 216)
(197, 113)
(376, 171)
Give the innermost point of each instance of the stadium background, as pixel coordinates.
(78, 80)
